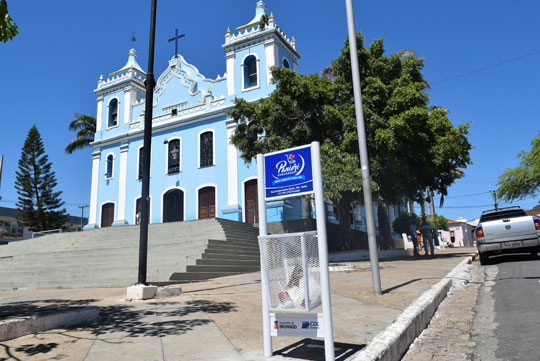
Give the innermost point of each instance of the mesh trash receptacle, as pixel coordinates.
(290, 265)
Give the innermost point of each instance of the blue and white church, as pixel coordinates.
(195, 171)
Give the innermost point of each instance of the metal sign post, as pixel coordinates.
(294, 267)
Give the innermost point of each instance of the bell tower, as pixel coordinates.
(252, 50)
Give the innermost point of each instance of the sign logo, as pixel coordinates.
(288, 173)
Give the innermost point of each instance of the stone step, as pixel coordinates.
(108, 257)
(239, 257)
(199, 276)
(233, 252)
(236, 243)
(222, 268)
(218, 262)
(231, 247)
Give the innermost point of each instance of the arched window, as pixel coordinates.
(206, 149)
(113, 113)
(286, 64)
(110, 165)
(173, 156)
(250, 72)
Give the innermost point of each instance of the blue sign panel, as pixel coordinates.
(288, 173)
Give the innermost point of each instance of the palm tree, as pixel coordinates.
(85, 126)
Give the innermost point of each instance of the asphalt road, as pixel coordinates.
(507, 319)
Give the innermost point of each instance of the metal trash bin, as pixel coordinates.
(290, 265)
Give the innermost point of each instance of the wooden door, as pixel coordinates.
(173, 206)
(207, 202)
(250, 203)
(107, 214)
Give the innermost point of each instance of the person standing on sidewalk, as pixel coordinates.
(427, 233)
(412, 231)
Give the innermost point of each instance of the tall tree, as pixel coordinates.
(38, 205)
(8, 28)
(85, 126)
(411, 146)
(524, 180)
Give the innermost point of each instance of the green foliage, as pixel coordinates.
(524, 180)
(38, 205)
(411, 145)
(439, 223)
(402, 223)
(263, 22)
(85, 126)
(8, 28)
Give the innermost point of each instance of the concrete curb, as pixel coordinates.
(393, 342)
(17, 327)
(363, 255)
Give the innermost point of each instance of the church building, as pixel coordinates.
(195, 171)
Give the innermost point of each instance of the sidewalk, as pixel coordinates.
(219, 319)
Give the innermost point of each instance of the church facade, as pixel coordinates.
(195, 171)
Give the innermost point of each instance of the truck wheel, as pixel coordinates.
(484, 258)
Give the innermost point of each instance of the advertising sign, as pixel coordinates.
(288, 173)
(297, 325)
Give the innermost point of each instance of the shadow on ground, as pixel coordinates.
(132, 322)
(27, 308)
(313, 350)
(422, 256)
(158, 320)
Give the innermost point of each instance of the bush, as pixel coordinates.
(402, 223)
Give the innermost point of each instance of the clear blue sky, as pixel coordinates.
(49, 70)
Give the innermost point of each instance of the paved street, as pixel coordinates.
(447, 337)
(494, 317)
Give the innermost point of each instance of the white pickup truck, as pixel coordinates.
(507, 230)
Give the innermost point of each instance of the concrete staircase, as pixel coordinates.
(238, 254)
(108, 257)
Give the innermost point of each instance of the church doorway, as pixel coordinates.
(107, 214)
(250, 198)
(173, 206)
(207, 202)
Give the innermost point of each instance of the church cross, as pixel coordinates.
(175, 39)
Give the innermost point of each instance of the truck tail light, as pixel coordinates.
(480, 231)
(536, 223)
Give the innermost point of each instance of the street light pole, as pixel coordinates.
(145, 192)
(494, 195)
(364, 161)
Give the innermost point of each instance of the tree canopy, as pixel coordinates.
(411, 145)
(524, 180)
(8, 28)
(38, 204)
(85, 126)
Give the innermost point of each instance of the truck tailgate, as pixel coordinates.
(509, 229)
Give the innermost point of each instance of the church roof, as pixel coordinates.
(131, 64)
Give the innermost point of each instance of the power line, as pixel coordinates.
(486, 67)
(466, 195)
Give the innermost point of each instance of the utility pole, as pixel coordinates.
(82, 212)
(364, 160)
(145, 192)
(494, 195)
